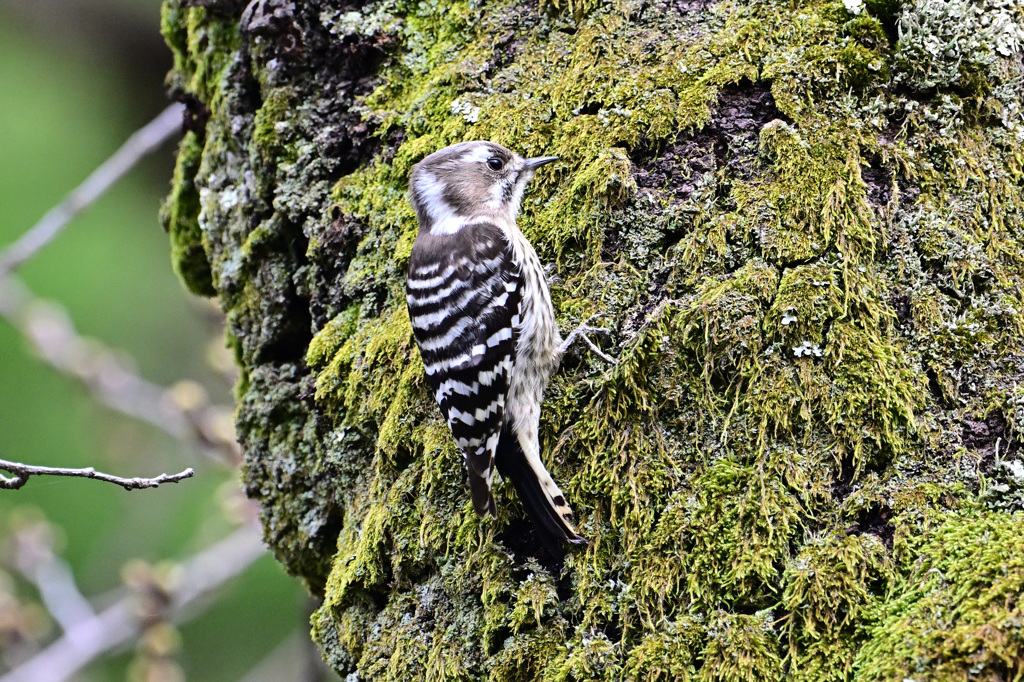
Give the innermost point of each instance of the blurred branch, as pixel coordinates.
(182, 411)
(142, 142)
(22, 472)
(119, 624)
(296, 658)
(36, 559)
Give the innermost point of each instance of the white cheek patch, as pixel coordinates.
(431, 191)
(431, 194)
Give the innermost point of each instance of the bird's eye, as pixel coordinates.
(494, 163)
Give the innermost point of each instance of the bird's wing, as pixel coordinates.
(464, 293)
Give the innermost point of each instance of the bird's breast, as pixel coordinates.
(537, 348)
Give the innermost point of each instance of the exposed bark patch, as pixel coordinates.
(292, 48)
(730, 141)
(337, 248)
(876, 520)
(900, 302)
(988, 437)
(196, 112)
(518, 24)
(300, 536)
(879, 181)
(935, 388)
(274, 19)
(638, 316)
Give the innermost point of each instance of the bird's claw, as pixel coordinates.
(581, 332)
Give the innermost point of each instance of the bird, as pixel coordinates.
(482, 316)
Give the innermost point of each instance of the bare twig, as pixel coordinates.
(182, 411)
(141, 143)
(22, 472)
(118, 624)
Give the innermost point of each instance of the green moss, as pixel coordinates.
(202, 47)
(591, 656)
(874, 395)
(724, 319)
(669, 655)
(536, 592)
(272, 114)
(738, 535)
(741, 648)
(958, 612)
(807, 301)
(828, 210)
(797, 345)
(203, 44)
(180, 217)
(577, 8)
(561, 76)
(806, 331)
(831, 589)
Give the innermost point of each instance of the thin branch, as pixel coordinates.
(118, 624)
(142, 142)
(186, 415)
(22, 472)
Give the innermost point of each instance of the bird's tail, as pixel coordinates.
(544, 502)
(480, 490)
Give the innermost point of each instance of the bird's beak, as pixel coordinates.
(538, 161)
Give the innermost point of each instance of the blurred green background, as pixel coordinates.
(76, 78)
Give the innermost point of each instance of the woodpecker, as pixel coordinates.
(482, 316)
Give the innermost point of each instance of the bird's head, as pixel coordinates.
(470, 182)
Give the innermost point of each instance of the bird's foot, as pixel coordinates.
(581, 332)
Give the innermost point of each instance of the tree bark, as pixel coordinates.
(802, 222)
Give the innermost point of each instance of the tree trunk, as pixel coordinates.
(802, 222)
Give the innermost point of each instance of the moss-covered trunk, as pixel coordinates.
(802, 222)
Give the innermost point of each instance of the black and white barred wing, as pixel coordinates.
(463, 294)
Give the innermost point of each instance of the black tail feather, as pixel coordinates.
(511, 462)
(483, 499)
